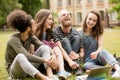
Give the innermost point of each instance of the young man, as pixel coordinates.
(69, 41)
(19, 62)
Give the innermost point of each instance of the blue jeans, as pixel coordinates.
(72, 44)
(103, 58)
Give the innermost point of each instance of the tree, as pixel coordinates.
(31, 6)
(46, 4)
(116, 7)
(5, 7)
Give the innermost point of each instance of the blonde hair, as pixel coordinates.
(62, 12)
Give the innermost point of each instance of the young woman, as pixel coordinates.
(95, 56)
(44, 23)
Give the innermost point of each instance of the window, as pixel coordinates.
(79, 17)
(59, 3)
(71, 14)
(112, 16)
(68, 2)
(89, 1)
(102, 14)
(100, 0)
(78, 1)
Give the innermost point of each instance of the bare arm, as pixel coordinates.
(65, 55)
(100, 44)
(94, 54)
(72, 64)
(81, 53)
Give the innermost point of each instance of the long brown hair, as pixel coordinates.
(40, 19)
(97, 30)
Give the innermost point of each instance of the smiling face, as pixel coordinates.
(91, 20)
(65, 18)
(49, 22)
(93, 24)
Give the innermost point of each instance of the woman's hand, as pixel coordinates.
(94, 55)
(52, 41)
(53, 62)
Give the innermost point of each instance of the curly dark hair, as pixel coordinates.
(97, 30)
(19, 20)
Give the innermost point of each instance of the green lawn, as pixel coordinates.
(111, 42)
(3, 39)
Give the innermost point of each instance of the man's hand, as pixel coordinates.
(73, 55)
(73, 64)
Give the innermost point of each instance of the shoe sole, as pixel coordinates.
(61, 78)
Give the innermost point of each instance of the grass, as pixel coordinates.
(111, 42)
(4, 37)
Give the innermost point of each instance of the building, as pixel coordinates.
(79, 9)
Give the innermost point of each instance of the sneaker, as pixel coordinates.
(63, 75)
(78, 71)
(10, 78)
(54, 77)
(116, 74)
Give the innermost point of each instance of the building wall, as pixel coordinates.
(79, 9)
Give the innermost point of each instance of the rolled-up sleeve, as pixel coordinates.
(55, 37)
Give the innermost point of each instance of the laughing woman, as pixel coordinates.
(44, 23)
(95, 56)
